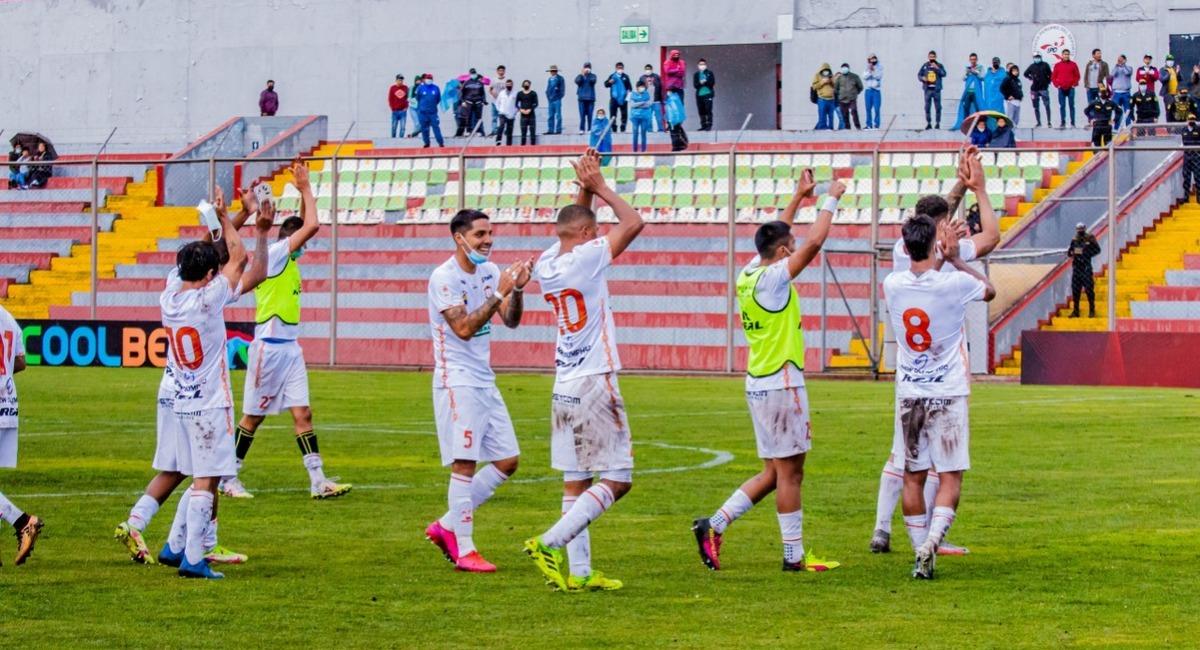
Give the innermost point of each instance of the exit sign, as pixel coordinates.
(635, 34)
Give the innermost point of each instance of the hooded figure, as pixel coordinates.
(972, 97)
(600, 137)
(993, 99)
(1002, 135)
(674, 72)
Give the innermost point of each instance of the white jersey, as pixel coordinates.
(902, 261)
(773, 291)
(195, 322)
(278, 254)
(11, 346)
(457, 362)
(928, 314)
(576, 286)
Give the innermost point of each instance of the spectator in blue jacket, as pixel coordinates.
(873, 80)
(428, 98)
(585, 93)
(556, 88)
(641, 104)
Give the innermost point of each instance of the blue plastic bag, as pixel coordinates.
(676, 114)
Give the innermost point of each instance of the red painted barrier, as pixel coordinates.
(1110, 358)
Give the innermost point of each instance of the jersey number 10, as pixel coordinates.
(177, 337)
(562, 310)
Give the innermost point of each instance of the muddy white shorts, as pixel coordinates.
(276, 378)
(166, 455)
(782, 427)
(473, 424)
(205, 446)
(589, 431)
(8, 447)
(932, 432)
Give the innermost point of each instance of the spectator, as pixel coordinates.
(585, 94)
(1145, 104)
(980, 135)
(1122, 89)
(993, 99)
(641, 105)
(1065, 78)
(972, 98)
(494, 91)
(1002, 136)
(1038, 74)
(655, 88)
(39, 175)
(1183, 106)
(527, 103)
(705, 82)
(14, 171)
(1095, 74)
(505, 104)
(823, 92)
(1191, 159)
(676, 114)
(930, 76)
(474, 98)
(1100, 114)
(974, 221)
(674, 73)
(600, 137)
(619, 88)
(847, 87)
(1195, 77)
(1081, 251)
(873, 81)
(268, 100)
(1010, 88)
(556, 89)
(398, 102)
(428, 97)
(1169, 76)
(1147, 74)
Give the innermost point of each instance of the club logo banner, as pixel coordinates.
(115, 344)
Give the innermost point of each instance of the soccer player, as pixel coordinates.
(473, 425)
(928, 312)
(970, 177)
(12, 361)
(129, 532)
(276, 377)
(775, 393)
(194, 317)
(589, 429)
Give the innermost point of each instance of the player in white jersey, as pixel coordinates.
(276, 377)
(465, 293)
(193, 314)
(589, 429)
(130, 532)
(928, 311)
(12, 361)
(970, 177)
(775, 392)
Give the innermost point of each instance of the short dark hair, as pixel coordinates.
(701, 60)
(619, 65)
(1095, 50)
(289, 226)
(222, 251)
(1066, 51)
(932, 205)
(972, 54)
(195, 260)
(770, 235)
(501, 67)
(845, 65)
(919, 233)
(270, 81)
(463, 219)
(933, 52)
(574, 213)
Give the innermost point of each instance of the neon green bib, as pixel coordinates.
(279, 296)
(775, 337)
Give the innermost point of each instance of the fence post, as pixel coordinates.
(1112, 236)
(95, 247)
(873, 311)
(333, 250)
(824, 310)
(731, 261)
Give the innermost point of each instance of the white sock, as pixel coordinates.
(485, 484)
(143, 511)
(735, 506)
(210, 536)
(939, 524)
(579, 550)
(312, 463)
(932, 481)
(458, 496)
(588, 507)
(9, 512)
(891, 485)
(199, 515)
(791, 527)
(177, 539)
(918, 529)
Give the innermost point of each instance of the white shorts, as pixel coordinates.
(782, 427)
(166, 456)
(932, 432)
(276, 378)
(205, 446)
(589, 431)
(473, 424)
(8, 447)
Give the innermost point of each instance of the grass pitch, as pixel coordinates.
(1081, 513)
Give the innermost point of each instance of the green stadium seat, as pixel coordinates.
(862, 171)
(396, 203)
(823, 173)
(549, 174)
(947, 172)
(761, 172)
(683, 201)
(491, 175)
(782, 200)
(662, 171)
(365, 177)
(626, 175)
(511, 174)
(609, 173)
(886, 171)
(450, 202)
(360, 203)
(904, 172)
(1010, 171)
(434, 202)
(744, 201)
(703, 171)
(507, 201)
(437, 177)
(889, 201)
(705, 201)
(681, 172)
(742, 171)
(642, 200)
(909, 201)
(531, 174)
(384, 177)
(420, 176)
(527, 201)
(926, 171)
(325, 203)
(377, 203)
(403, 176)
(661, 201)
(720, 171)
(545, 201)
(1032, 173)
(764, 201)
(472, 174)
(991, 172)
(489, 202)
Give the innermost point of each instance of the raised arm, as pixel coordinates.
(237, 251)
(804, 189)
(514, 304)
(257, 271)
(629, 220)
(972, 177)
(815, 239)
(249, 207)
(308, 209)
(464, 324)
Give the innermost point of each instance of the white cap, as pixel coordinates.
(1080, 226)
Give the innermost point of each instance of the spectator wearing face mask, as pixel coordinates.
(1191, 159)
(641, 104)
(268, 100)
(705, 83)
(825, 96)
(555, 91)
(873, 95)
(428, 96)
(1095, 74)
(1168, 78)
(1147, 74)
(1010, 88)
(930, 75)
(474, 98)
(506, 107)
(585, 94)
(1122, 90)
(1145, 105)
(1038, 74)
(1003, 136)
(655, 88)
(493, 92)
(674, 73)
(619, 87)
(1065, 78)
(993, 100)
(1183, 106)
(600, 136)
(527, 103)
(980, 135)
(1102, 113)
(847, 87)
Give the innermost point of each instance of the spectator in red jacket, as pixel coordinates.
(268, 100)
(674, 73)
(1147, 74)
(1065, 78)
(398, 102)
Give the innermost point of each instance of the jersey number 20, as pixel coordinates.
(562, 310)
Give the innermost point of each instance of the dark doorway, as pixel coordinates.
(747, 82)
(1186, 48)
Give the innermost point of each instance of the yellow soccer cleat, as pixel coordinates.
(133, 541)
(221, 555)
(595, 582)
(549, 561)
(814, 563)
(329, 490)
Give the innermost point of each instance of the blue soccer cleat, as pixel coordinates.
(170, 558)
(198, 570)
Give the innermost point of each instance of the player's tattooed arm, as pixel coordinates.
(249, 207)
(971, 176)
(815, 238)
(804, 189)
(950, 252)
(514, 304)
(465, 324)
(955, 197)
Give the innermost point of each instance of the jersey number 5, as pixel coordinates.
(916, 329)
(195, 356)
(562, 310)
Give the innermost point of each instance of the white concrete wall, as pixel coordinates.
(166, 71)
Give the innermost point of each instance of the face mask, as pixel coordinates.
(825, 73)
(641, 89)
(525, 86)
(702, 67)
(620, 70)
(474, 76)
(1191, 125)
(649, 71)
(1037, 59)
(297, 254)
(599, 116)
(475, 256)
(845, 69)
(1142, 87)
(1170, 64)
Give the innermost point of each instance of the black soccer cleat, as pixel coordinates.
(709, 543)
(881, 542)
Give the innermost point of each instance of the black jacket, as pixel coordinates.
(1145, 107)
(1191, 138)
(1083, 249)
(608, 83)
(474, 91)
(1101, 112)
(1038, 75)
(527, 100)
(710, 82)
(1011, 87)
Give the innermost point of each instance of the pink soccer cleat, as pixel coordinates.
(473, 562)
(444, 540)
(708, 541)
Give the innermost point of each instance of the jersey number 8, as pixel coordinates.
(562, 310)
(916, 324)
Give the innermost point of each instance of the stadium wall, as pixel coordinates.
(165, 72)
